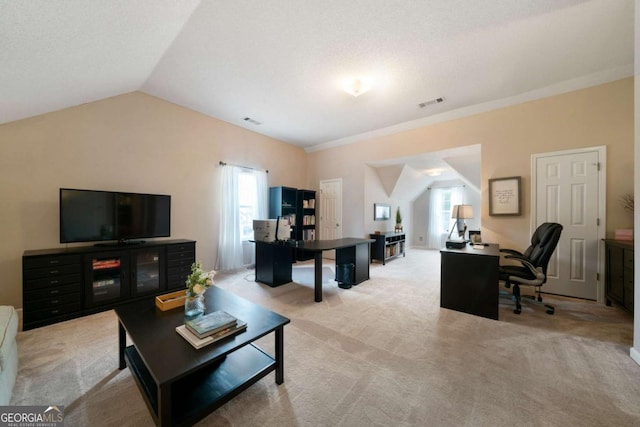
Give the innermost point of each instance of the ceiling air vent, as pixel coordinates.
(250, 120)
(431, 102)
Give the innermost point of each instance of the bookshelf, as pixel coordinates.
(387, 246)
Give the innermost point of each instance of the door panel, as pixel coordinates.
(330, 212)
(331, 209)
(567, 192)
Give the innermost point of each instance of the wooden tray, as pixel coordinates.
(172, 300)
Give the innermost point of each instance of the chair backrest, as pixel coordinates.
(543, 242)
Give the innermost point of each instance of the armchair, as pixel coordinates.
(532, 270)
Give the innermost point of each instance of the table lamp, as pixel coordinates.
(460, 213)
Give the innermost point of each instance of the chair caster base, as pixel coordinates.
(550, 310)
(517, 311)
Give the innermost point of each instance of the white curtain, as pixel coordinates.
(263, 195)
(261, 210)
(229, 243)
(230, 246)
(435, 227)
(439, 223)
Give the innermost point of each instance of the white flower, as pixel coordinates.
(199, 280)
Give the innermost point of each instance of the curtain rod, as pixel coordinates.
(450, 186)
(221, 163)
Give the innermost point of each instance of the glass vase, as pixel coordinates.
(194, 305)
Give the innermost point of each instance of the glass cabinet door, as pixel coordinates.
(147, 275)
(107, 278)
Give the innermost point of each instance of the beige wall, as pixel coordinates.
(601, 115)
(135, 142)
(132, 142)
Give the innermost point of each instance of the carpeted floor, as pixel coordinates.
(382, 353)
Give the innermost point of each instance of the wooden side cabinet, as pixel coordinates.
(619, 273)
(387, 246)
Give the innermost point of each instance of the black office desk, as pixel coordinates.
(273, 260)
(469, 280)
(349, 250)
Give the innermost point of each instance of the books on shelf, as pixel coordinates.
(210, 323)
(201, 342)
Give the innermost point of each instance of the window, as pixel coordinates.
(441, 202)
(445, 209)
(248, 203)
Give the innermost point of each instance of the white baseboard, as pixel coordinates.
(635, 355)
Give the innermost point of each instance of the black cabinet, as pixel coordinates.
(306, 216)
(64, 283)
(283, 202)
(305, 220)
(180, 256)
(387, 246)
(52, 288)
(273, 263)
(300, 207)
(619, 273)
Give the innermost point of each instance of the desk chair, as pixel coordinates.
(532, 270)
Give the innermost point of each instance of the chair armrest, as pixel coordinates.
(517, 257)
(537, 272)
(511, 251)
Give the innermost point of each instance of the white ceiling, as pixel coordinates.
(281, 62)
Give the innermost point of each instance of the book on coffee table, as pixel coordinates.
(210, 323)
(201, 342)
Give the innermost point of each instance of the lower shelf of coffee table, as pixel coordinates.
(202, 392)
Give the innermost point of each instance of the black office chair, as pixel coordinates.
(534, 261)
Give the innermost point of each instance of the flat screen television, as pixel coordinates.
(95, 216)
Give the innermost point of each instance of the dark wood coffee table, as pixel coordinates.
(181, 384)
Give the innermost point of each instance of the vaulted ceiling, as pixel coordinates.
(282, 62)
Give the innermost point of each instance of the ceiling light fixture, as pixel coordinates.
(358, 86)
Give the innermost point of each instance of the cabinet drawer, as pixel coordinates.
(186, 262)
(177, 256)
(59, 270)
(35, 316)
(50, 261)
(50, 292)
(628, 259)
(175, 279)
(54, 281)
(183, 247)
(51, 303)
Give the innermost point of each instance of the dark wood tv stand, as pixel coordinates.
(64, 283)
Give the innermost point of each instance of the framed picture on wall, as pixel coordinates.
(504, 196)
(381, 211)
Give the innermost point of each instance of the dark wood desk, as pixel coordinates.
(273, 260)
(349, 250)
(181, 384)
(469, 280)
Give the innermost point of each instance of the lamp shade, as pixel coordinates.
(462, 212)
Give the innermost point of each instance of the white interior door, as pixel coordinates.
(330, 211)
(567, 189)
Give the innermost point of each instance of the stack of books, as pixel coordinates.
(209, 328)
